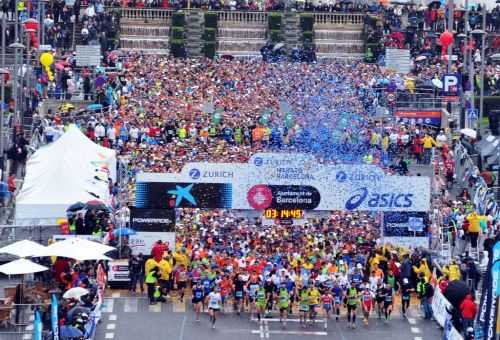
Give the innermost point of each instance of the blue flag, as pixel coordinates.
(54, 317)
(37, 326)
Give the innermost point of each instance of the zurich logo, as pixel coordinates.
(355, 200)
(194, 173)
(341, 176)
(258, 161)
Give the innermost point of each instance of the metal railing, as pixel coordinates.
(256, 17)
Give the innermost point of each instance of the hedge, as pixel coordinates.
(307, 36)
(209, 34)
(275, 36)
(209, 49)
(211, 19)
(177, 48)
(306, 22)
(178, 19)
(177, 33)
(274, 21)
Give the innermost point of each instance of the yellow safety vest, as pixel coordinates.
(150, 278)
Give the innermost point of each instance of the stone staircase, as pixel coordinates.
(291, 30)
(241, 39)
(150, 38)
(338, 42)
(194, 31)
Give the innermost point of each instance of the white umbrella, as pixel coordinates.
(420, 58)
(21, 266)
(62, 249)
(469, 133)
(24, 248)
(81, 243)
(75, 293)
(438, 83)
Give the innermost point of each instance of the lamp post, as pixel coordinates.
(3, 74)
(29, 69)
(482, 33)
(17, 47)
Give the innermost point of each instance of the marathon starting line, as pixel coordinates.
(265, 332)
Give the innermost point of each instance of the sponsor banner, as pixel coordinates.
(169, 195)
(429, 117)
(54, 317)
(280, 181)
(142, 242)
(37, 326)
(407, 242)
(152, 220)
(486, 318)
(401, 224)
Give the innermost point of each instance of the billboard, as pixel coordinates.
(283, 180)
(152, 220)
(428, 117)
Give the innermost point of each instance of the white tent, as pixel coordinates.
(71, 169)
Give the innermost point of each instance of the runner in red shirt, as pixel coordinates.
(367, 302)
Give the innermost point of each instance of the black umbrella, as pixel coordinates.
(76, 206)
(456, 292)
(73, 312)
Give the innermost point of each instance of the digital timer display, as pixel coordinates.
(284, 213)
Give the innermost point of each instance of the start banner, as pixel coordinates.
(282, 181)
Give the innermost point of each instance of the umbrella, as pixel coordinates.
(469, 133)
(420, 58)
(76, 206)
(24, 248)
(79, 254)
(96, 205)
(75, 293)
(278, 46)
(437, 83)
(80, 243)
(94, 107)
(21, 266)
(456, 292)
(124, 232)
(73, 312)
(70, 332)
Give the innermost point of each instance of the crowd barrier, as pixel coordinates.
(440, 306)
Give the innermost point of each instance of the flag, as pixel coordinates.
(54, 317)
(37, 326)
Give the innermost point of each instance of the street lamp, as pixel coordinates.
(29, 63)
(17, 47)
(482, 33)
(4, 76)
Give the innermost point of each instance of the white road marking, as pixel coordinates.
(261, 330)
(266, 329)
(181, 335)
(27, 337)
(288, 320)
(113, 317)
(155, 308)
(256, 331)
(111, 326)
(130, 306)
(115, 294)
(109, 303)
(417, 338)
(415, 330)
(412, 321)
(109, 335)
(29, 327)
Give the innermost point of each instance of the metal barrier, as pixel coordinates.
(20, 335)
(16, 316)
(158, 14)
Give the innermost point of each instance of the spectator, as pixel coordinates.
(468, 309)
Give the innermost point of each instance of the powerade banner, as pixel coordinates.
(152, 220)
(37, 326)
(283, 180)
(54, 317)
(428, 117)
(486, 319)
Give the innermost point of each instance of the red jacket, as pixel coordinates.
(468, 308)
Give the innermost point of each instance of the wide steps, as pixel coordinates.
(142, 43)
(225, 33)
(338, 47)
(149, 51)
(253, 45)
(336, 56)
(338, 34)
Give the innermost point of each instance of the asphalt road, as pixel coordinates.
(131, 318)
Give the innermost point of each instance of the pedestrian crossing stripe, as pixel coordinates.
(156, 308)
